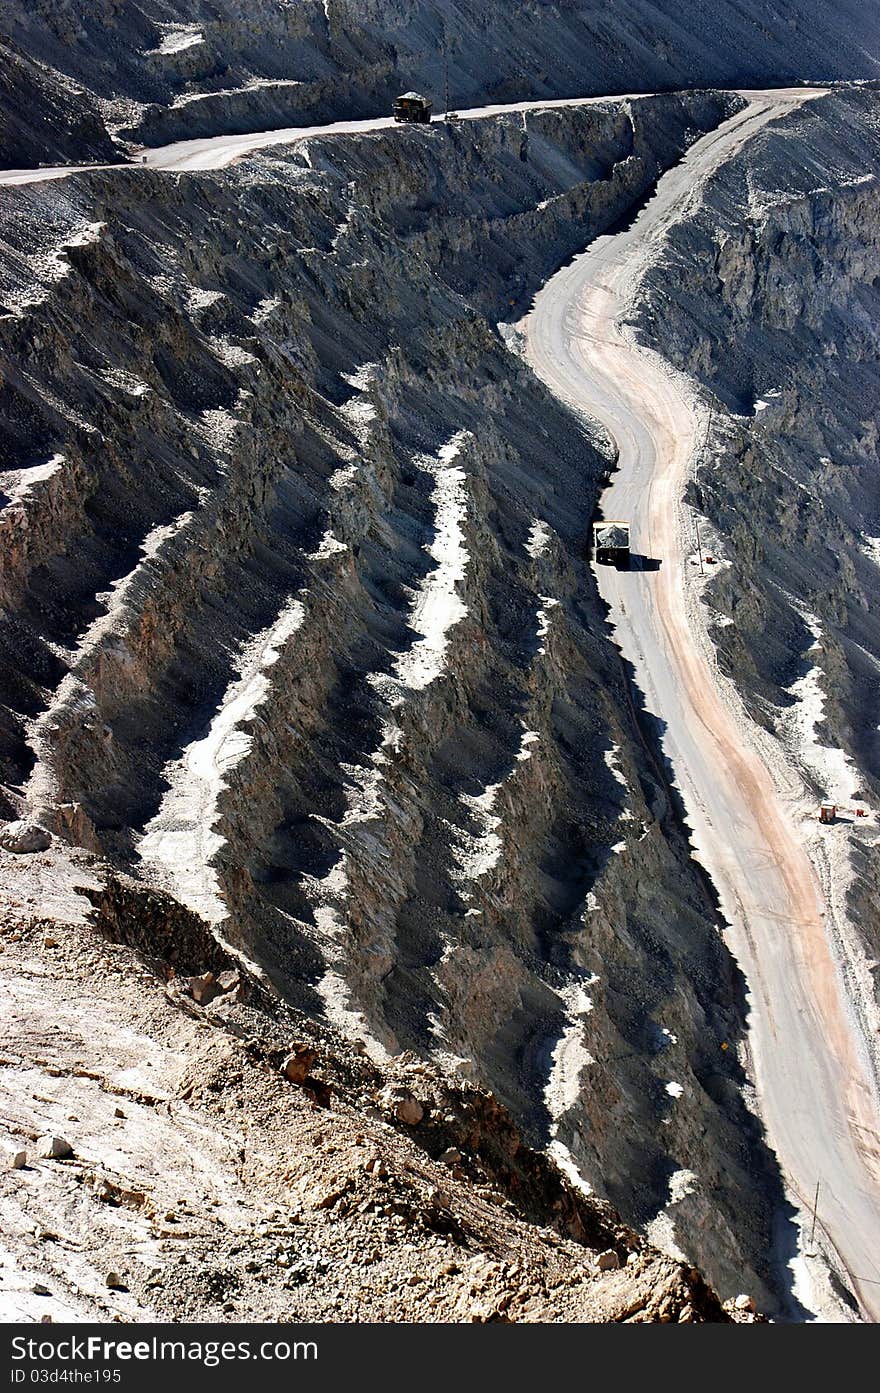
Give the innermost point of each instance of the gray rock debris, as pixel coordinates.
(23, 836)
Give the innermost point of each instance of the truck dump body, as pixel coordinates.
(413, 108)
(611, 543)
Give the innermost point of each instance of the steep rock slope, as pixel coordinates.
(298, 624)
(776, 310)
(215, 1186)
(160, 71)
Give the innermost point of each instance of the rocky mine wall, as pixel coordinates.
(159, 70)
(298, 625)
(776, 313)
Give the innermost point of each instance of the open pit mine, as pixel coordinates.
(439, 662)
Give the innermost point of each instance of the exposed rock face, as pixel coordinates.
(777, 313)
(161, 71)
(304, 631)
(71, 126)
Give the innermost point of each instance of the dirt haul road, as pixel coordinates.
(216, 152)
(810, 1064)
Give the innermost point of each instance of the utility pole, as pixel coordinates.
(445, 75)
(815, 1207)
(696, 519)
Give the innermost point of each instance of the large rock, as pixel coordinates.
(299, 1063)
(24, 836)
(403, 1104)
(52, 1148)
(204, 988)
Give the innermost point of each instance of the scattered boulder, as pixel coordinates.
(208, 985)
(40, 1289)
(744, 1303)
(204, 988)
(52, 1148)
(24, 836)
(108, 1192)
(114, 1281)
(608, 1261)
(18, 1160)
(452, 1156)
(298, 1064)
(404, 1105)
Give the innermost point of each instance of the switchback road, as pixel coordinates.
(810, 1065)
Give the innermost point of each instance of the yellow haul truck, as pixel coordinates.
(413, 108)
(611, 544)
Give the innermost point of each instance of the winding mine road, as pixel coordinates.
(218, 151)
(812, 1074)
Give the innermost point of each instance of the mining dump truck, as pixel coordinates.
(413, 108)
(611, 543)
